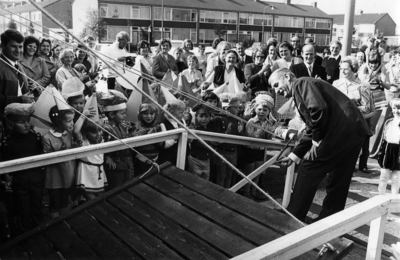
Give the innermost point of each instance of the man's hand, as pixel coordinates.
(27, 99)
(110, 163)
(284, 162)
(312, 154)
(395, 250)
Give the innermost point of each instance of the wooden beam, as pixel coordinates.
(314, 235)
(76, 153)
(254, 174)
(287, 192)
(182, 144)
(375, 238)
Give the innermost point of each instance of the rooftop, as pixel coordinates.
(359, 19)
(28, 7)
(249, 6)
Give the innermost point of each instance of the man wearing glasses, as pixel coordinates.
(296, 47)
(116, 51)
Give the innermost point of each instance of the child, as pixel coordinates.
(199, 158)
(170, 151)
(72, 92)
(116, 163)
(90, 179)
(388, 156)
(59, 176)
(147, 124)
(193, 76)
(228, 125)
(211, 98)
(27, 185)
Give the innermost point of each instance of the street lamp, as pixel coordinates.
(263, 39)
(162, 19)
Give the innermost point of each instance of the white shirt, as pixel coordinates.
(113, 52)
(309, 68)
(229, 75)
(192, 75)
(392, 133)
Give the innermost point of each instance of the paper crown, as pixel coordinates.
(184, 86)
(265, 99)
(92, 102)
(72, 87)
(136, 98)
(19, 112)
(112, 101)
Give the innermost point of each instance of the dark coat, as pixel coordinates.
(331, 66)
(220, 73)
(9, 84)
(300, 70)
(331, 118)
(162, 65)
(318, 60)
(242, 63)
(254, 81)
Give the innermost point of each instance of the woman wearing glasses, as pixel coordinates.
(257, 73)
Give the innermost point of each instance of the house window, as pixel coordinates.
(193, 35)
(276, 23)
(328, 40)
(202, 17)
(103, 10)
(295, 22)
(184, 15)
(310, 23)
(229, 18)
(112, 31)
(218, 17)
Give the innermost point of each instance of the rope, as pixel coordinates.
(76, 111)
(153, 80)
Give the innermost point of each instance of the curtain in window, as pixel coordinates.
(119, 11)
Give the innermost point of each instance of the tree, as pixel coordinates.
(94, 25)
(12, 24)
(31, 29)
(220, 31)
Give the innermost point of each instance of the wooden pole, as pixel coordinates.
(348, 27)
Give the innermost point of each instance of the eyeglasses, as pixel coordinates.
(260, 57)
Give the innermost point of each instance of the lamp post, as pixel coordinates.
(162, 19)
(263, 39)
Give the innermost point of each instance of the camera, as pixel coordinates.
(130, 61)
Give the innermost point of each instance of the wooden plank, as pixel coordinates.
(99, 239)
(15, 253)
(69, 244)
(40, 247)
(375, 239)
(138, 239)
(254, 174)
(281, 223)
(182, 146)
(288, 185)
(222, 239)
(172, 234)
(237, 223)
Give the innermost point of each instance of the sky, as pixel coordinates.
(367, 6)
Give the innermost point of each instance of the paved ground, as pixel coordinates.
(363, 187)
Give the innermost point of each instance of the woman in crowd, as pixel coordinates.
(143, 49)
(35, 67)
(178, 59)
(360, 58)
(202, 57)
(55, 55)
(163, 62)
(257, 73)
(66, 71)
(286, 60)
(187, 47)
(358, 92)
(45, 54)
(222, 49)
(272, 53)
(82, 58)
(224, 73)
(214, 45)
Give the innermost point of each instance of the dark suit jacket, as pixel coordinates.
(9, 84)
(247, 60)
(318, 60)
(331, 118)
(162, 65)
(300, 70)
(254, 81)
(220, 73)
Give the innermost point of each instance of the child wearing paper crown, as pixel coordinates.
(254, 155)
(72, 92)
(27, 185)
(59, 176)
(147, 124)
(116, 163)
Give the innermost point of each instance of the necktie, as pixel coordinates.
(310, 71)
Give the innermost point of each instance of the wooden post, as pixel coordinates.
(375, 239)
(348, 27)
(288, 185)
(182, 144)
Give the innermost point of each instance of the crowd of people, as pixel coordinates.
(329, 101)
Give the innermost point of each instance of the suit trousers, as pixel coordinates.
(340, 168)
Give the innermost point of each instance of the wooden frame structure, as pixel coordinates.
(289, 246)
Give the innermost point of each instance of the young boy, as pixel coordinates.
(117, 163)
(211, 98)
(72, 92)
(193, 76)
(27, 185)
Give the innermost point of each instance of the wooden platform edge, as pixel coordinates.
(102, 198)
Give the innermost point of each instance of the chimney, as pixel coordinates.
(287, 2)
(314, 4)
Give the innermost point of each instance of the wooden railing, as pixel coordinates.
(373, 211)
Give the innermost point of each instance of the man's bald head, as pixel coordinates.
(281, 80)
(280, 74)
(308, 53)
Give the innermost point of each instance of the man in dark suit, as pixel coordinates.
(335, 134)
(243, 58)
(308, 68)
(318, 59)
(13, 84)
(296, 47)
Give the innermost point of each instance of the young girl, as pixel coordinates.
(59, 176)
(170, 151)
(91, 179)
(147, 124)
(255, 155)
(388, 157)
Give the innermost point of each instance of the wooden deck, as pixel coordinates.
(171, 215)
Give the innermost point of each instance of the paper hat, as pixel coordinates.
(133, 104)
(265, 99)
(211, 77)
(49, 98)
(184, 86)
(72, 87)
(167, 95)
(19, 112)
(112, 101)
(132, 76)
(92, 102)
